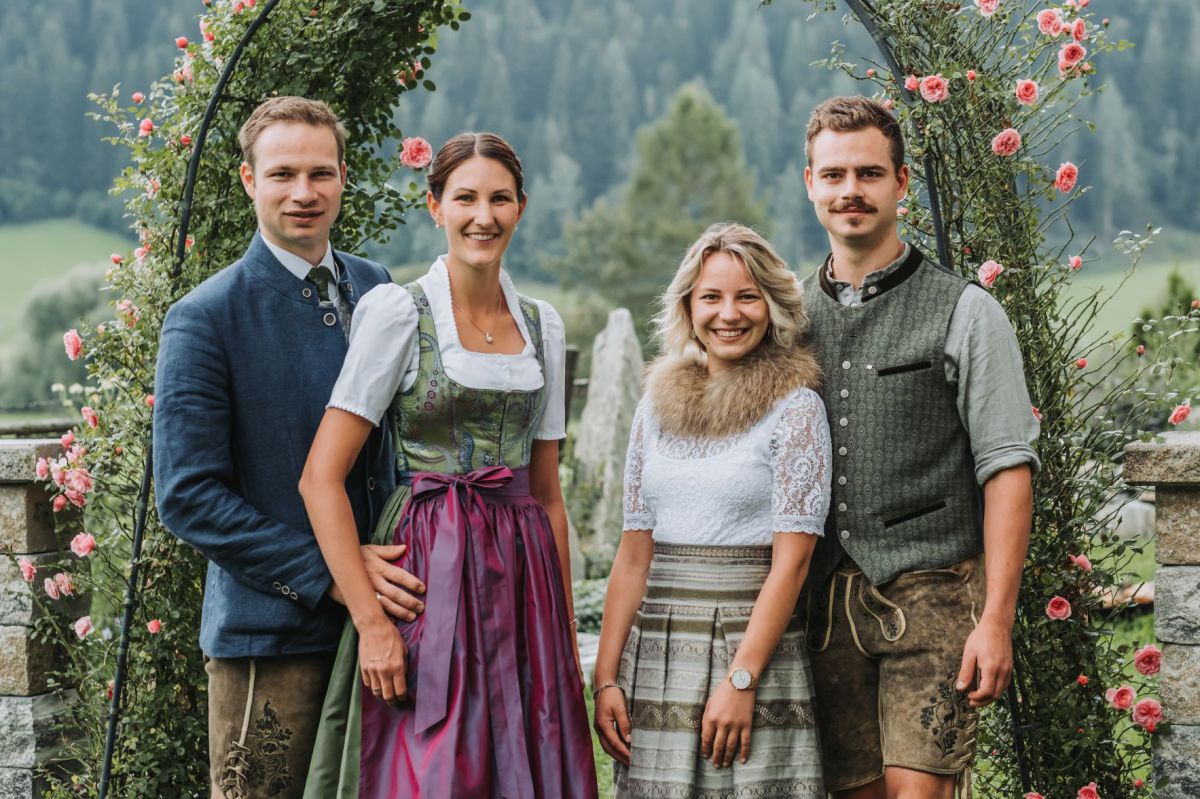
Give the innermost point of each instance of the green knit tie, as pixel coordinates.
(320, 276)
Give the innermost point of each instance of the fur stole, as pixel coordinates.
(690, 403)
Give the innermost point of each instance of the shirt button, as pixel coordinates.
(845, 534)
(873, 290)
(370, 483)
(843, 421)
(845, 392)
(307, 293)
(845, 364)
(330, 319)
(842, 450)
(842, 480)
(842, 507)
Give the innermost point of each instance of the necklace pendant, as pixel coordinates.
(487, 337)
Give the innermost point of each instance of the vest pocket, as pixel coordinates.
(916, 514)
(916, 366)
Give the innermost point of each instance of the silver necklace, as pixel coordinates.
(489, 337)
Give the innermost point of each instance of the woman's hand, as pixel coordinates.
(612, 724)
(383, 658)
(725, 729)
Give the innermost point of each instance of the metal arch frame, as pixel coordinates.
(862, 10)
(139, 527)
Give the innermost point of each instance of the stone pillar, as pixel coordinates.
(27, 708)
(614, 388)
(1173, 468)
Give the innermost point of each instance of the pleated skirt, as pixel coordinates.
(695, 613)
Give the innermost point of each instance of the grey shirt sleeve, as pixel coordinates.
(984, 362)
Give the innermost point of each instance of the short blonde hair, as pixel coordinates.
(290, 109)
(769, 272)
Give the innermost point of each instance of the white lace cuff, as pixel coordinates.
(639, 521)
(797, 524)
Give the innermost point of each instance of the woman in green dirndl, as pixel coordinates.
(481, 695)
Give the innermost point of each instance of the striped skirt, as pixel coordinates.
(697, 606)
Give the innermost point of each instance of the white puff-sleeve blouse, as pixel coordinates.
(383, 354)
(735, 491)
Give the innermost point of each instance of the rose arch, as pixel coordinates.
(985, 90)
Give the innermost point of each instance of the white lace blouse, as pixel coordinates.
(384, 352)
(735, 491)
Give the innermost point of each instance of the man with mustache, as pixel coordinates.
(912, 591)
(246, 366)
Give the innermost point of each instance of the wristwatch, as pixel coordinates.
(741, 679)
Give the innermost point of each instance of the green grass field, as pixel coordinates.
(1145, 287)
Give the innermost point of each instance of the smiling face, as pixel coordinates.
(729, 313)
(479, 208)
(296, 184)
(854, 187)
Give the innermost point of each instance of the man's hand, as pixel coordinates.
(988, 652)
(396, 588)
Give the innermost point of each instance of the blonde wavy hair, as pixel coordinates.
(769, 272)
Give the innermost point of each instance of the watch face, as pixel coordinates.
(740, 679)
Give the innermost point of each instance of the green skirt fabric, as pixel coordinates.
(333, 773)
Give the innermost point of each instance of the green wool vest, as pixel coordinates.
(904, 489)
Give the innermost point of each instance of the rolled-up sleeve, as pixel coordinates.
(984, 359)
(383, 341)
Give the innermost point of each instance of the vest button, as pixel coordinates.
(842, 480)
(842, 507)
(843, 421)
(845, 534)
(330, 319)
(842, 450)
(306, 293)
(845, 392)
(845, 364)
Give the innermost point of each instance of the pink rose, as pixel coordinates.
(1088, 792)
(137, 97)
(1049, 22)
(28, 570)
(1058, 609)
(1065, 177)
(83, 544)
(1148, 659)
(42, 470)
(1006, 142)
(146, 127)
(1120, 698)
(72, 343)
(1148, 713)
(181, 42)
(140, 252)
(871, 72)
(90, 416)
(239, 7)
(416, 153)
(154, 626)
(64, 583)
(1036, 413)
(76, 453)
(911, 83)
(83, 626)
(889, 104)
(1071, 54)
(1079, 30)
(935, 88)
(972, 74)
(987, 7)
(1081, 561)
(51, 588)
(59, 503)
(1141, 349)
(150, 400)
(988, 272)
(79, 479)
(1180, 414)
(1033, 795)
(1027, 91)
(1076, 262)
(116, 259)
(1081, 363)
(76, 498)
(68, 438)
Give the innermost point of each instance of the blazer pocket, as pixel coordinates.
(916, 366)
(916, 514)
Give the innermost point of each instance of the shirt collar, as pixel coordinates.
(299, 266)
(872, 277)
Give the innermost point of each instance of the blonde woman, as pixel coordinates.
(702, 684)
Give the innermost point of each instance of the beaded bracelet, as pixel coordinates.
(597, 691)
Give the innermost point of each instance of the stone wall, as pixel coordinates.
(1173, 468)
(27, 708)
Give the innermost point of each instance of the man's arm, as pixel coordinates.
(1008, 511)
(194, 469)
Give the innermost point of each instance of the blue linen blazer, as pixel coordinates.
(246, 364)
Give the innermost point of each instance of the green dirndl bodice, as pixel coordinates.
(437, 425)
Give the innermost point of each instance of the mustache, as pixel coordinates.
(856, 206)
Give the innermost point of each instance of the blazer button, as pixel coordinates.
(370, 483)
(276, 585)
(285, 590)
(294, 595)
(330, 319)
(307, 293)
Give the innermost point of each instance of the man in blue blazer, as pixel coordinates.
(247, 362)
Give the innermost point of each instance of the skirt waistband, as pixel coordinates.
(723, 555)
(492, 482)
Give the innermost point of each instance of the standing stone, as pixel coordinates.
(614, 388)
